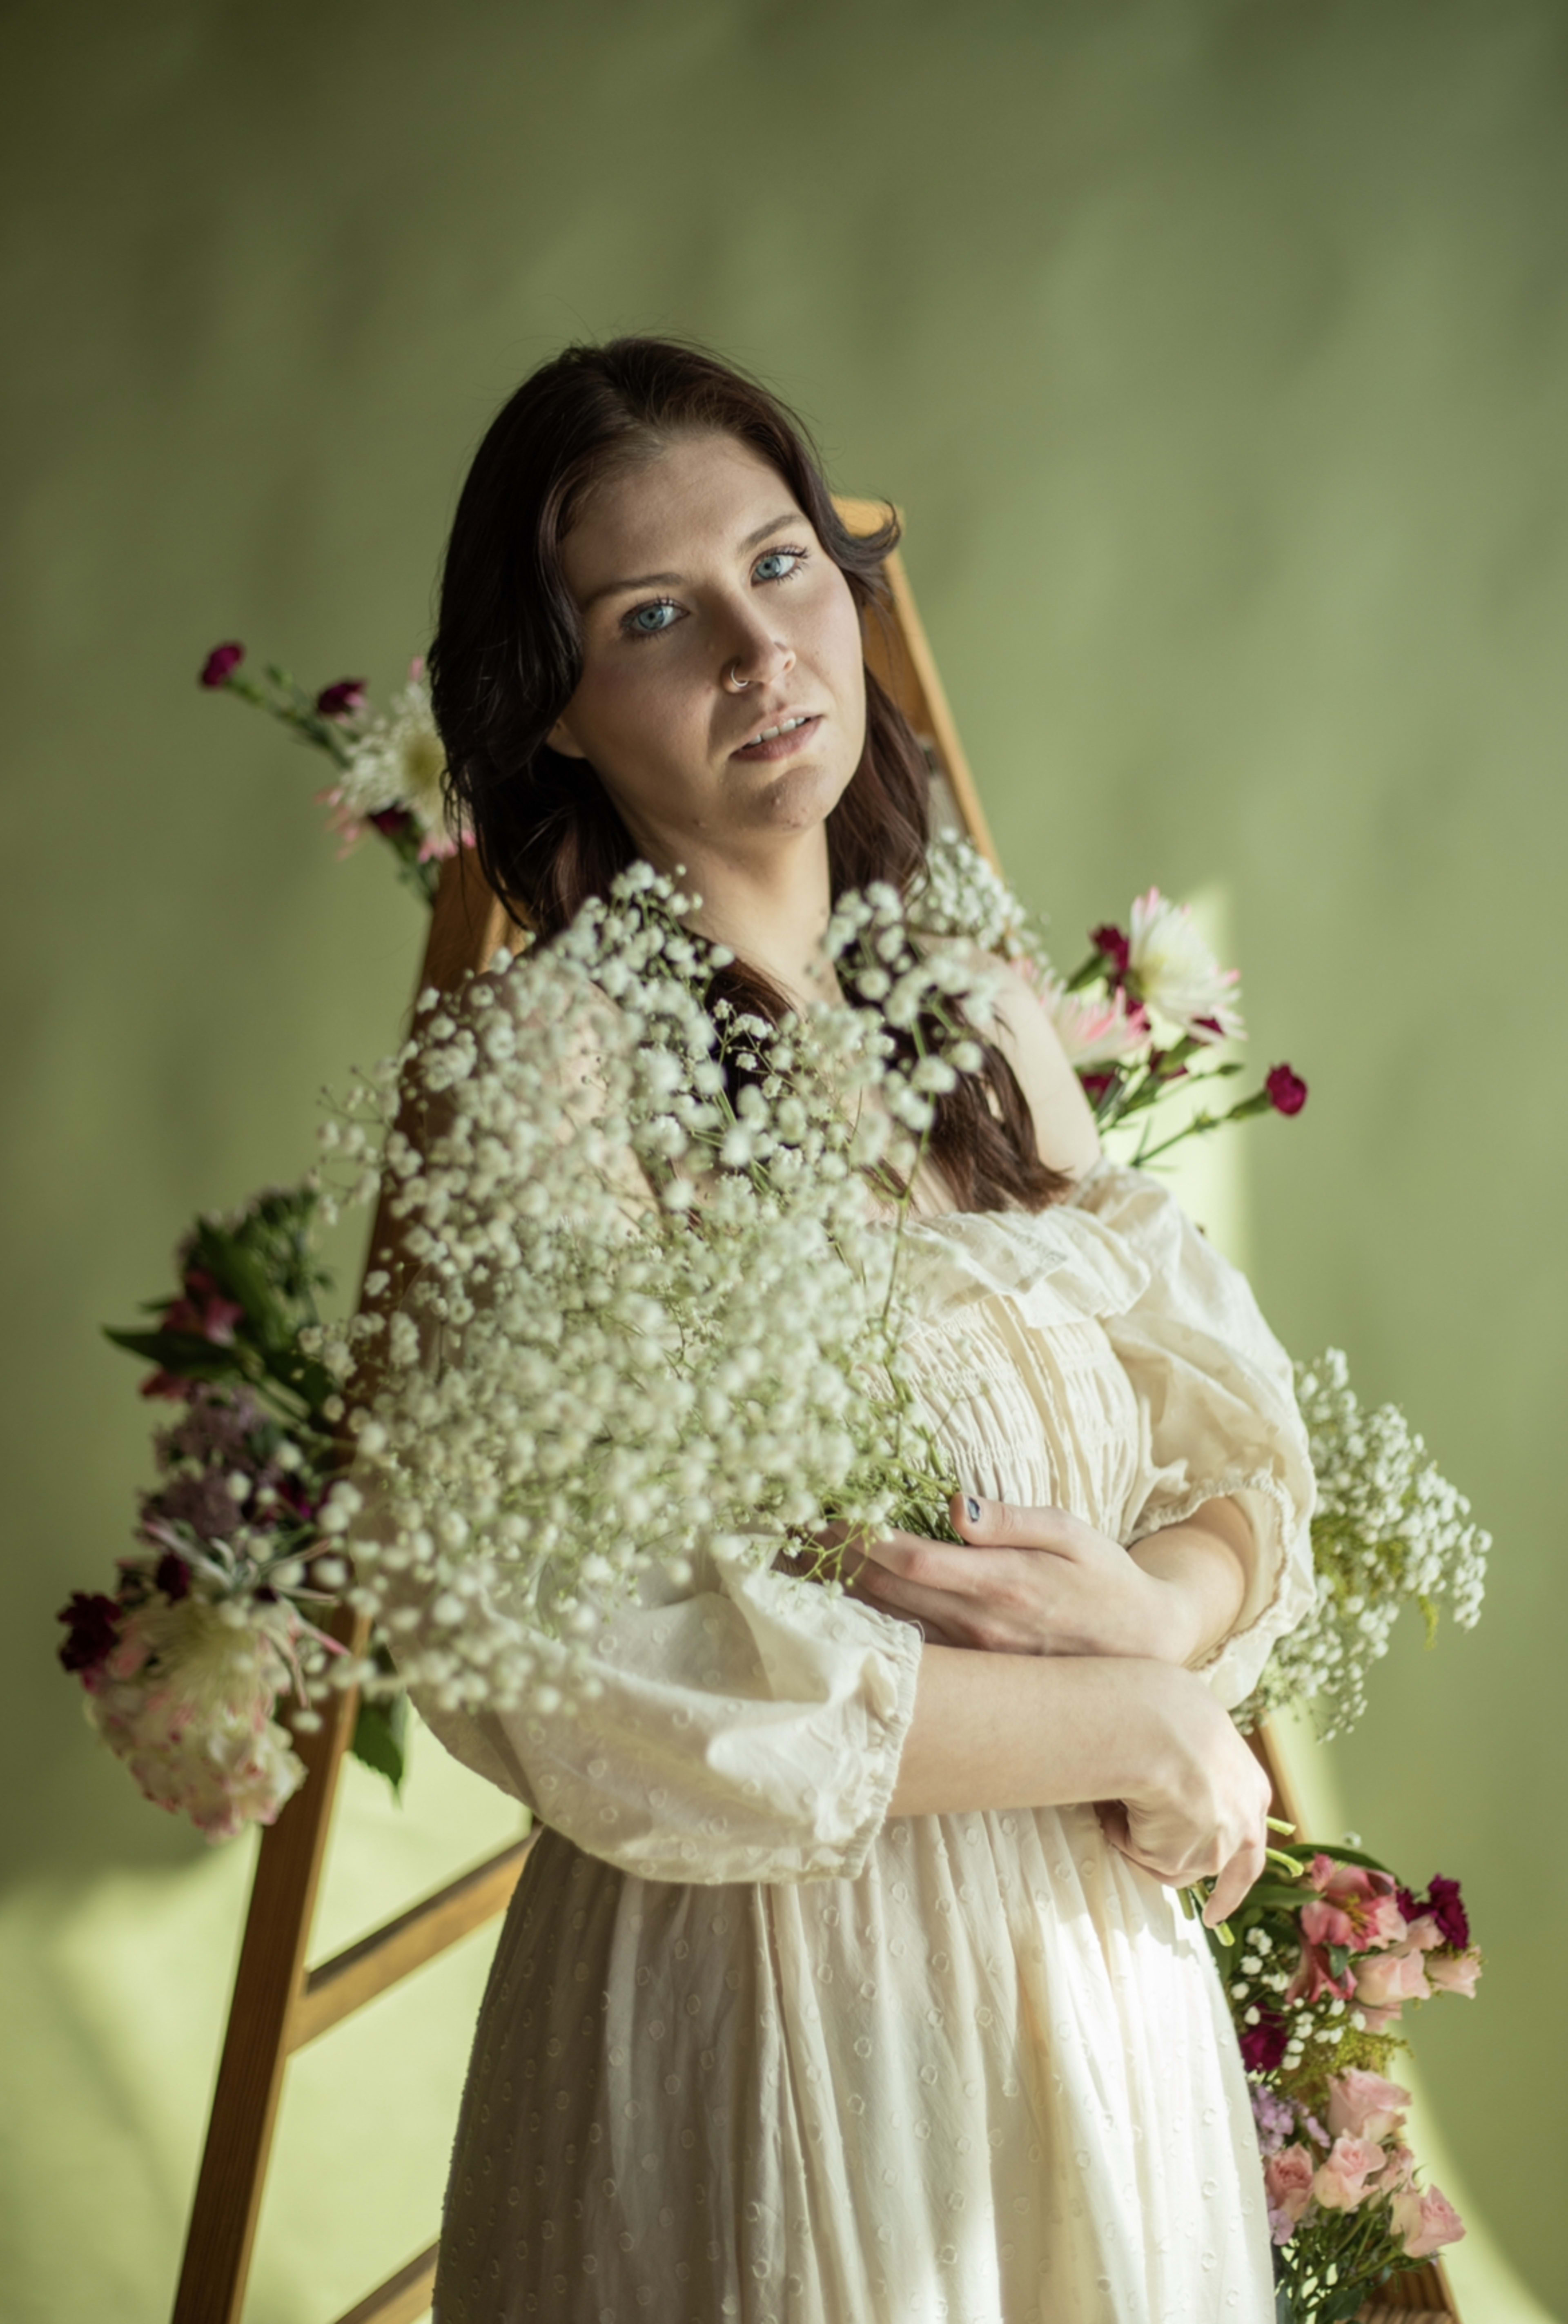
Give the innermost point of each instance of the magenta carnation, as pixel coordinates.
(1263, 2045)
(1109, 941)
(1287, 1090)
(341, 699)
(221, 664)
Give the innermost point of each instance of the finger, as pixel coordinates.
(961, 1620)
(996, 1524)
(1230, 1890)
(939, 1565)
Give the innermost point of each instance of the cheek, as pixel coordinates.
(840, 654)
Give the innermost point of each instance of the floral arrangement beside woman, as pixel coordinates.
(796, 1459)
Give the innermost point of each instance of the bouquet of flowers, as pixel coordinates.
(217, 1612)
(1319, 1965)
(390, 766)
(669, 1303)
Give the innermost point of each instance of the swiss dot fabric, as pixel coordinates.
(752, 2050)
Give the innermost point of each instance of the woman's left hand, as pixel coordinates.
(1035, 1581)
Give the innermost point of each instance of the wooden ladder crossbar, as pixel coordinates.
(280, 2004)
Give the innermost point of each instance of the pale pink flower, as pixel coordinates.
(1454, 1972)
(1095, 1030)
(1365, 2106)
(1387, 1981)
(1177, 974)
(1424, 2220)
(1341, 2181)
(1288, 2182)
(1424, 1934)
(1355, 1906)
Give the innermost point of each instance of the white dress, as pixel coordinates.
(754, 2050)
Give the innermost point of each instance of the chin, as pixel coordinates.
(801, 797)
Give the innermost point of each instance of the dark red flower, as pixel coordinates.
(1446, 1907)
(172, 1576)
(1287, 1090)
(92, 1631)
(1263, 2044)
(221, 664)
(168, 1385)
(204, 1311)
(1094, 1085)
(1117, 948)
(342, 699)
(390, 821)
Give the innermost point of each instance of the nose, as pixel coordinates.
(754, 655)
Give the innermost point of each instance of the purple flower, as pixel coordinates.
(1287, 1090)
(1273, 2116)
(342, 699)
(392, 822)
(221, 664)
(92, 1631)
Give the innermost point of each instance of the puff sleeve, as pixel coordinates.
(1217, 1412)
(747, 1729)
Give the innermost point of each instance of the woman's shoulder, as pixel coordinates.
(1066, 1135)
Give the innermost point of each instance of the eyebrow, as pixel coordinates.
(672, 580)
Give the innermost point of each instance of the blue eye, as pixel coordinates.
(647, 620)
(785, 563)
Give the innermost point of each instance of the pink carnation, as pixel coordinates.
(1425, 2220)
(1364, 2105)
(1341, 2181)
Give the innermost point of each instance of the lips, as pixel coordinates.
(782, 746)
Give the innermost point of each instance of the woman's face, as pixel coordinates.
(691, 571)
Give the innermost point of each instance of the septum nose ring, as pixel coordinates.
(736, 685)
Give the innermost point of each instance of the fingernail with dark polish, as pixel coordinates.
(971, 1509)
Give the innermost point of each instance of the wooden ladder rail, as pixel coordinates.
(279, 2002)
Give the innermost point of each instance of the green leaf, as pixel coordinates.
(381, 1736)
(186, 1355)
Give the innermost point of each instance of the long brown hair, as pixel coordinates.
(507, 655)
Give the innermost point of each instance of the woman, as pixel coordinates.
(855, 2008)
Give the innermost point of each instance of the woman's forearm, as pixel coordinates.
(1028, 1730)
(1044, 1730)
(1203, 1565)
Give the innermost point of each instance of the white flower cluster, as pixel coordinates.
(963, 895)
(644, 1304)
(397, 760)
(186, 1700)
(1389, 1528)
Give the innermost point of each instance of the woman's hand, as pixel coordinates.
(1202, 1811)
(1042, 1582)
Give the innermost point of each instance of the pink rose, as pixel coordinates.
(1424, 1933)
(1454, 1972)
(1425, 2220)
(1339, 2181)
(1387, 1981)
(1365, 2106)
(1288, 2180)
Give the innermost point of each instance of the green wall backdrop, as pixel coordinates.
(1217, 354)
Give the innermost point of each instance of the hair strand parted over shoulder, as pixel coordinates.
(506, 656)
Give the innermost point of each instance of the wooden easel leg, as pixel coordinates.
(267, 1984)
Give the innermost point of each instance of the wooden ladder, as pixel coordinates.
(281, 2002)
